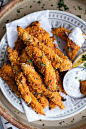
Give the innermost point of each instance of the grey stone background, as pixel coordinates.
(1, 126)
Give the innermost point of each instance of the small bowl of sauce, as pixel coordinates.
(71, 82)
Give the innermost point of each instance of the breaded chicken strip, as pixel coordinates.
(15, 65)
(22, 87)
(7, 75)
(57, 62)
(61, 32)
(40, 97)
(59, 83)
(24, 58)
(44, 66)
(35, 80)
(72, 49)
(43, 36)
(83, 87)
(27, 95)
(19, 46)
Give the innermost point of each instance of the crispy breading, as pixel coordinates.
(19, 45)
(13, 57)
(43, 36)
(35, 80)
(40, 96)
(59, 82)
(44, 66)
(7, 75)
(83, 87)
(61, 32)
(72, 49)
(57, 62)
(22, 87)
(24, 58)
(15, 65)
(27, 95)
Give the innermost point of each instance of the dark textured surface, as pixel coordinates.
(1, 126)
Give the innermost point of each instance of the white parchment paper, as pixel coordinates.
(12, 36)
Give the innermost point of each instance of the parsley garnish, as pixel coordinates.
(27, 49)
(84, 57)
(36, 93)
(50, 80)
(42, 54)
(85, 65)
(25, 41)
(72, 120)
(14, 67)
(78, 16)
(79, 80)
(61, 4)
(42, 63)
(69, 48)
(76, 77)
(49, 87)
(39, 2)
(83, 116)
(22, 86)
(30, 61)
(43, 124)
(79, 8)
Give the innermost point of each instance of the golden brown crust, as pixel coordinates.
(83, 87)
(72, 49)
(61, 32)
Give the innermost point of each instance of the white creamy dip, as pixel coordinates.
(71, 81)
(76, 36)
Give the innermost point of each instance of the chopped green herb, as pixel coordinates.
(73, 6)
(79, 8)
(69, 48)
(27, 49)
(38, 100)
(43, 64)
(83, 116)
(85, 65)
(36, 93)
(22, 86)
(7, 21)
(18, 112)
(72, 120)
(82, 69)
(40, 120)
(17, 14)
(43, 124)
(78, 16)
(25, 41)
(30, 61)
(14, 111)
(29, 39)
(43, 4)
(41, 95)
(65, 7)
(61, 4)
(51, 4)
(57, 87)
(60, 123)
(79, 80)
(50, 80)
(14, 67)
(34, 1)
(49, 87)
(31, 6)
(28, 105)
(39, 2)
(18, 10)
(84, 57)
(42, 54)
(40, 61)
(76, 77)
(59, 41)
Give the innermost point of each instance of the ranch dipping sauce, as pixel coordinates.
(71, 81)
(76, 36)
